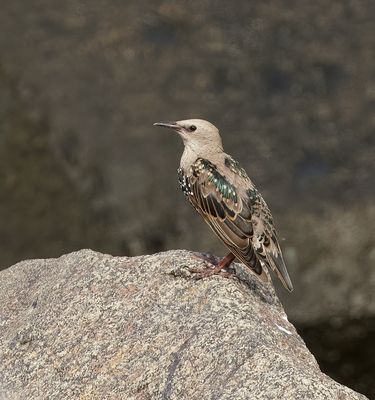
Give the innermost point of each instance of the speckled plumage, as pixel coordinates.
(223, 194)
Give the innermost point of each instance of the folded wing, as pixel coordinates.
(243, 222)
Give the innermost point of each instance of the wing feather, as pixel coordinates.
(225, 212)
(265, 238)
(243, 222)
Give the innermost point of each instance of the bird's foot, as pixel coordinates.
(215, 268)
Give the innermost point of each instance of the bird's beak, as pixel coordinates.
(170, 125)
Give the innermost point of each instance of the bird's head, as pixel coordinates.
(197, 134)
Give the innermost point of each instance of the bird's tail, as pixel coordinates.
(278, 265)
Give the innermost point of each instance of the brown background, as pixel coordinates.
(291, 85)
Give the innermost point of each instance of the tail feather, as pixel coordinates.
(278, 265)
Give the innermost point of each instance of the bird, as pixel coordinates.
(222, 193)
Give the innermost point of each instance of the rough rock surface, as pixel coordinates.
(93, 326)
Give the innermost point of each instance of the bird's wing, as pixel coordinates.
(242, 221)
(265, 239)
(230, 217)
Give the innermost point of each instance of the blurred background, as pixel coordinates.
(290, 84)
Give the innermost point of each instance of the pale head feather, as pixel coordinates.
(205, 138)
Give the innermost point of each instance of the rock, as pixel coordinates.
(93, 326)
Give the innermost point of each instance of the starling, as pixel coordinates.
(222, 193)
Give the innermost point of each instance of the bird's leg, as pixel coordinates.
(208, 271)
(226, 261)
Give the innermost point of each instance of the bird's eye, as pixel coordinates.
(192, 128)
